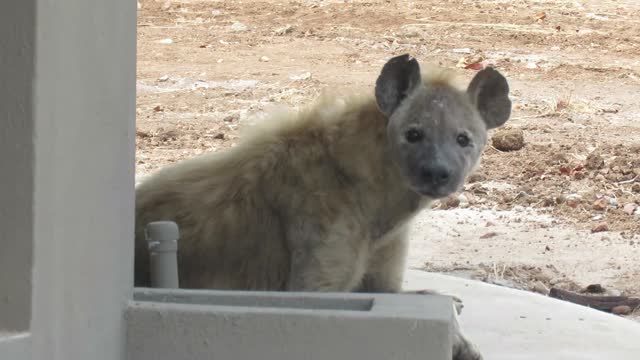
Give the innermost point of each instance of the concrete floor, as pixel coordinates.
(518, 325)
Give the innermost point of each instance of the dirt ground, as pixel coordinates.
(205, 67)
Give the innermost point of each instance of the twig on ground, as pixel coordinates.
(628, 181)
(603, 303)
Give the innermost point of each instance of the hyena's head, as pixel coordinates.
(437, 132)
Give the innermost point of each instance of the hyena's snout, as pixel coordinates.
(435, 175)
(437, 180)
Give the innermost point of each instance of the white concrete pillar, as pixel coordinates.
(67, 115)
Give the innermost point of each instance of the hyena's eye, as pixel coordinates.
(463, 140)
(414, 135)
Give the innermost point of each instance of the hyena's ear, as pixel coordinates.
(489, 92)
(398, 78)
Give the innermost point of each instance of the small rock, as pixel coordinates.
(600, 204)
(559, 158)
(621, 310)
(573, 200)
(596, 17)
(219, 61)
(532, 65)
(169, 135)
(555, 281)
(303, 76)
(216, 13)
(508, 140)
(463, 201)
(565, 170)
(594, 161)
(476, 177)
(231, 118)
(166, 41)
(219, 136)
(200, 84)
(284, 30)
(600, 228)
(163, 78)
(450, 202)
(264, 59)
(545, 275)
(613, 292)
(472, 61)
(158, 108)
(462, 51)
(470, 197)
(237, 26)
(479, 274)
(142, 134)
(502, 282)
(613, 202)
(635, 188)
(540, 288)
(489, 235)
(411, 33)
(594, 289)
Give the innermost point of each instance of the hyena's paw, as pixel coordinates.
(464, 349)
(457, 302)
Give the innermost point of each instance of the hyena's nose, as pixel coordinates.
(435, 174)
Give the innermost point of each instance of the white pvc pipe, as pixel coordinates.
(162, 237)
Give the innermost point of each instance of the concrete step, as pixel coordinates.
(509, 324)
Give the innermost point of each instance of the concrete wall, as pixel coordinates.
(84, 169)
(231, 325)
(17, 33)
(67, 107)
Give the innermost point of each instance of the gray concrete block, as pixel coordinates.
(221, 325)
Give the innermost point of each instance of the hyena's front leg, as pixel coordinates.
(463, 348)
(385, 273)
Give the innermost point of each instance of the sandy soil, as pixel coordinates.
(565, 205)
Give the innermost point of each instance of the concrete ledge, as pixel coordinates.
(199, 324)
(256, 299)
(15, 345)
(518, 325)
